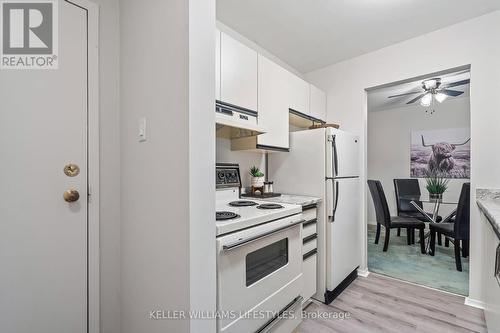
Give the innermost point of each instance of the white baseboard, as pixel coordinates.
(474, 303)
(363, 272)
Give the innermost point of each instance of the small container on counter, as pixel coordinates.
(270, 188)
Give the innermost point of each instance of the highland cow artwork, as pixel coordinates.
(444, 151)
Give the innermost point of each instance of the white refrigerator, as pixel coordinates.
(325, 163)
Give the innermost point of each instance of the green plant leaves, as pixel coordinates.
(255, 172)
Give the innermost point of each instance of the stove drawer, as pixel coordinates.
(309, 243)
(309, 214)
(309, 228)
(309, 267)
(280, 300)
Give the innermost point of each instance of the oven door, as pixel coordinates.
(259, 272)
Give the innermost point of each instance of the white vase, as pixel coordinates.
(258, 181)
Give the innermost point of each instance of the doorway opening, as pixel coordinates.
(418, 167)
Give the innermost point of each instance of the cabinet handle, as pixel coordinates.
(497, 265)
(292, 305)
(244, 241)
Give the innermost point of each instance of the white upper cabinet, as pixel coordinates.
(217, 64)
(298, 98)
(317, 103)
(238, 68)
(273, 105)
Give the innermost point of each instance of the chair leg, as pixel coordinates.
(377, 235)
(413, 236)
(432, 245)
(446, 242)
(439, 239)
(422, 240)
(408, 236)
(386, 241)
(399, 232)
(458, 259)
(465, 248)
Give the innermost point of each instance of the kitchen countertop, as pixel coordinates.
(488, 201)
(301, 200)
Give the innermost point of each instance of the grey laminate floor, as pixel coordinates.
(381, 304)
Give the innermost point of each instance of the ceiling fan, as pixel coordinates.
(434, 90)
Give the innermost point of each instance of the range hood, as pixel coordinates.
(235, 122)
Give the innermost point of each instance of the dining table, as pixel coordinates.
(436, 203)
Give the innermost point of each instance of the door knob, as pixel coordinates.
(71, 170)
(71, 195)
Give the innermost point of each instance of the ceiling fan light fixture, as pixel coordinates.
(426, 100)
(431, 84)
(440, 97)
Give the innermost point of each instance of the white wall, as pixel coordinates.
(246, 160)
(389, 136)
(202, 259)
(168, 234)
(473, 42)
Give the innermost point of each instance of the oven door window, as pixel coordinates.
(266, 260)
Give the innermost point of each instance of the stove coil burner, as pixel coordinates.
(242, 203)
(222, 216)
(270, 206)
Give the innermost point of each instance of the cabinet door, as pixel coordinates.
(273, 104)
(238, 73)
(298, 98)
(217, 64)
(318, 103)
(492, 299)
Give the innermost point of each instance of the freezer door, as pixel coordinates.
(343, 232)
(342, 154)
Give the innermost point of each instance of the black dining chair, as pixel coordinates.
(391, 222)
(459, 230)
(410, 187)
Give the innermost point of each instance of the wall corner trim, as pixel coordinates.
(474, 303)
(363, 272)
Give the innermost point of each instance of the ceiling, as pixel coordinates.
(378, 98)
(311, 34)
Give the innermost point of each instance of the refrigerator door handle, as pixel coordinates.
(335, 199)
(335, 161)
(336, 187)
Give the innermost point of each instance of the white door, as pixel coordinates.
(342, 154)
(238, 73)
(343, 232)
(298, 98)
(217, 65)
(43, 238)
(273, 107)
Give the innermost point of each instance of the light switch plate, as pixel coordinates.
(142, 130)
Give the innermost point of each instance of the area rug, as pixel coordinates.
(405, 262)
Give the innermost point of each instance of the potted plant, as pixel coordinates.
(257, 177)
(436, 185)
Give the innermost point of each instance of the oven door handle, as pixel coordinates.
(292, 305)
(243, 241)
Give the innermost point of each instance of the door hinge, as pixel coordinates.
(330, 138)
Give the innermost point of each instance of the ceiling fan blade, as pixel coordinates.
(416, 98)
(456, 84)
(406, 94)
(453, 93)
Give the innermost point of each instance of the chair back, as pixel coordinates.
(462, 219)
(380, 203)
(404, 187)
